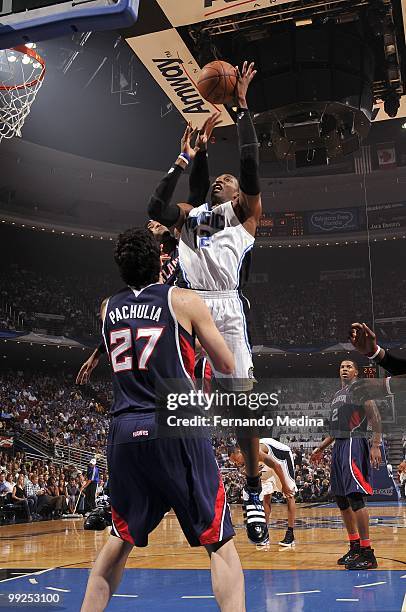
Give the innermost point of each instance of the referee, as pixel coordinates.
(91, 486)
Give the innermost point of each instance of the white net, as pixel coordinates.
(22, 73)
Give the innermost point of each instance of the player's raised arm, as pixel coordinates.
(160, 207)
(199, 179)
(250, 189)
(192, 313)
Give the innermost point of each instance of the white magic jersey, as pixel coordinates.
(213, 244)
(283, 455)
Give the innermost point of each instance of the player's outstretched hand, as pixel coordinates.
(86, 370)
(368, 389)
(375, 456)
(204, 134)
(186, 141)
(363, 339)
(244, 79)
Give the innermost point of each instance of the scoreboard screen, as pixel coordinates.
(369, 371)
(281, 224)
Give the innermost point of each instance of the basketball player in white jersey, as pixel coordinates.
(277, 474)
(215, 238)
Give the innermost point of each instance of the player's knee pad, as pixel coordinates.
(342, 502)
(357, 501)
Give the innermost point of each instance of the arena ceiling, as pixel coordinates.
(100, 102)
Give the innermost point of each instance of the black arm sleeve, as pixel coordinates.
(160, 207)
(393, 365)
(249, 153)
(199, 180)
(102, 348)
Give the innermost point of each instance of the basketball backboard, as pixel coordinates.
(23, 21)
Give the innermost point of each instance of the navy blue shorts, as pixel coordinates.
(148, 476)
(351, 467)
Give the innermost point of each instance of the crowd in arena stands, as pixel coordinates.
(312, 481)
(36, 489)
(305, 312)
(55, 408)
(294, 313)
(35, 295)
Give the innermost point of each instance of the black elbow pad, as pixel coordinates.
(167, 214)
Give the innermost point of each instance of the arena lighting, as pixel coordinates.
(12, 58)
(404, 126)
(303, 22)
(26, 59)
(344, 60)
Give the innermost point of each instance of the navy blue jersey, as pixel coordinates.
(170, 266)
(347, 418)
(146, 346)
(171, 273)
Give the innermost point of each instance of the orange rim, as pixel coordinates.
(34, 55)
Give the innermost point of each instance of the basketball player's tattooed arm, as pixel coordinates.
(249, 207)
(199, 180)
(374, 419)
(318, 452)
(193, 314)
(275, 466)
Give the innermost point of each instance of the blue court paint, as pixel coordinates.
(164, 589)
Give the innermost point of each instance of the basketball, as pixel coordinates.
(217, 82)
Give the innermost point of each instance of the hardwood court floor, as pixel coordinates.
(319, 535)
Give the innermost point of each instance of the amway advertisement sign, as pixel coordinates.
(194, 11)
(174, 68)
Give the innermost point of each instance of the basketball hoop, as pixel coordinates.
(22, 72)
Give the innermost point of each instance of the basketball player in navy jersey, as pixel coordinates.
(216, 238)
(149, 332)
(351, 463)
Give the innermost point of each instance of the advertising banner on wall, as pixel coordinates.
(332, 221)
(387, 216)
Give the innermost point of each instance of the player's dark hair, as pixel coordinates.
(137, 255)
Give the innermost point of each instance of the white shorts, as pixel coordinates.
(227, 310)
(270, 485)
(283, 455)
